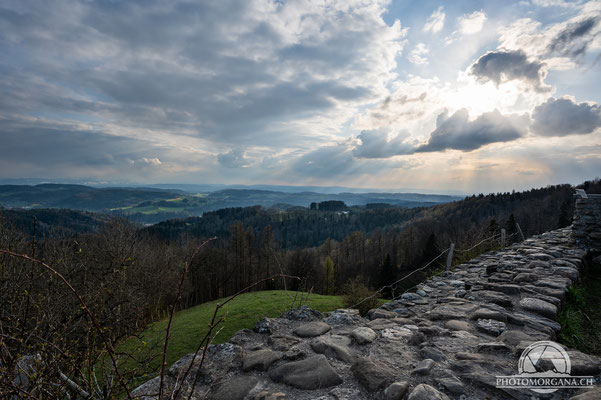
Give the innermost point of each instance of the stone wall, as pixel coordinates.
(586, 227)
(448, 340)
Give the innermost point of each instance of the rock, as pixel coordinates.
(424, 367)
(450, 311)
(295, 353)
(283, 342)
(303, 313)
(485, 313)
(422, 293)
(513, 338)
(457, 325)
(235, 388)
(396, 333)
(525, 277)
(538, 264)
(372, 375)
(312, 329)
(410, 296)
(507, 289)
(146, 391)
(584, 364)
(342, 393)
(380, 313)
(426, 392)
(311, 373)
(397, 390)
(333, 346)
(494, 297)
(493, 347)
(431, 353)
(491, 326)
(460, 293)
(539, 306)
(343, 316)
(264, 325)
(259, 360)
(568, 272)
(593, 394)
(363, 335)
(416, 338)
(269, 395)
(452, 384)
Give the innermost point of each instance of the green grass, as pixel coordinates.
(189, 326)
(580, 317)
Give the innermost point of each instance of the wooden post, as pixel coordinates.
(450, 257)
(502, 237)
(520, 231)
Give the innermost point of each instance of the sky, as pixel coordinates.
(469, 96)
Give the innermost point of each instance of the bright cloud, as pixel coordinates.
(472, 23)
(436, 21)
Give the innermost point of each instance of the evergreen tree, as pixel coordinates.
(565, 218)
(387, 276)
(431, 250)
(511, 228)
(493, 228)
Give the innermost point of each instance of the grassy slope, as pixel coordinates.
(189, 326)
(580, 317)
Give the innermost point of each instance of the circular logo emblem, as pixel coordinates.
(544, 359)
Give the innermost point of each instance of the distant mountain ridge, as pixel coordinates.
(154, 204)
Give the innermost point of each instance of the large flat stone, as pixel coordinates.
(539, 306)
(311, 373)
(372, 375)
(312, 329)
(426, 392)
(363, 335)
(259, 360)
(333, 346)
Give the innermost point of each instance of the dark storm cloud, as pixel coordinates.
(376, 144)
(459, 133)
(504, 65)
(575, 38)
(561, 117)
(227, 71)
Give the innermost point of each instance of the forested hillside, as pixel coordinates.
(128, 275)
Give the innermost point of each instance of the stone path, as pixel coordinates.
(446, 341)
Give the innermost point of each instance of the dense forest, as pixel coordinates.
(128, 274)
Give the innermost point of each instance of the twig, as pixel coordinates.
(26, 393)
(177, 298)
(212, 326)
(107, 343)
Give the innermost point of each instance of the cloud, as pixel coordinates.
(435, 22)
(377, 144)
(472, 23)
(210, 75)
(333, 160)
(459, 133)
(562, 117)
(417, 54)
(233, 159)
(574, 39)
(502, 66)
(152, 161)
